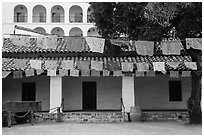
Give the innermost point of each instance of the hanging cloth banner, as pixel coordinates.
(127, 66)
(5, 60)
(191, 65)
(50, 42)
(150, 73)
(195, 43)
(63, 72)
(174, 65)
(5, 74)
(85, 73)
(83, 65)
(67, 64)
(174, 74)
(97, 65)
(96, 44)
(106, 72)
(20, 63)
(39, 71)
(41, 42)
(142, 66)
(171, 47)
(159, 66)
(51, 72)
(125, 45)
(74, 43)
(186, 74)
(51, 64)
(20, 40)
(17, 74)
(117, 73)
(74, 73)
(35, 64)
(113, 66)
(139, 73)
(95, 73)
(144, 47)
(29, 72)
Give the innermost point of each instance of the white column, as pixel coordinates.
(48, 14)
(55, 92)
(85, 15)
(128, 92)
(30, 15)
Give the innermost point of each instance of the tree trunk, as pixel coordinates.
(194, 107)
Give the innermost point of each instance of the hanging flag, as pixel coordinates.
(17, 74)
(35, 64)
(186, 74)
(125, 45)
(143, 66)
(74, 43)
(39, 71)
(144, 47)
(29, 72)
(85, 73)
(51, 41)
(20, 63)
(171, 47)
(41, 43)
(95, 73)
(191, 65)
(174, 74)
(74, 73)
(127, 66)
(106, 72)
(139, 73)
(5, 74)
(96, 44)
(159, 66)
(195, 43)
(174, 65)
(97, 65)
(117, 73)
(150, 73)
(83, 65)
(113, 66)
(63, 72)
(67, 64)
(51, 64)
(51, 72)
(20, 40)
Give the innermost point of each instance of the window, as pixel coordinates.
(175, 91)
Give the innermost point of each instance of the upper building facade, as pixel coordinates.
(60, 18)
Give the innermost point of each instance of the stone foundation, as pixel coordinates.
(82, 117)
(165, 115)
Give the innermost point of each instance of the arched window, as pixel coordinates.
(76, 14)
(93, 32)
(57, 13)
(20, 13)
(40, 29)
(76, 32)
(57, 31)
(39, 13)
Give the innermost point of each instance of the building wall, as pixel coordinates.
(152, 93)
(8, 17)
(109, 92)
(12, 89)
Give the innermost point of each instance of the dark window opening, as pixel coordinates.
(175, 91)
(28, 91)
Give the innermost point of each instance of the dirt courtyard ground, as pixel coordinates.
(136, 128)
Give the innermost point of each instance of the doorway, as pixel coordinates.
(28, 91)
(89, 95)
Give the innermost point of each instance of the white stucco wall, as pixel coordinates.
(12, 89)
(153, 92)
(109, 92)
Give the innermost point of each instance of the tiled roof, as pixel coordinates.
(8, 63)
(9, 47)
